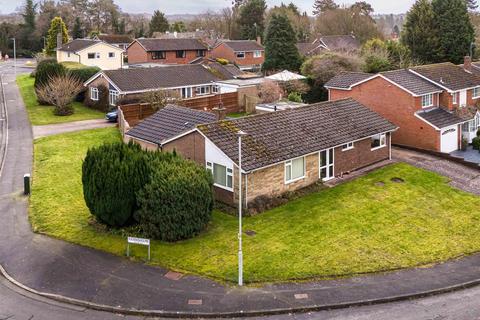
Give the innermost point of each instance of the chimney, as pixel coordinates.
(220, 112)
(259, 40)
(59, 40)
(467, 64)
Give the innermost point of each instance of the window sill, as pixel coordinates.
(223, 187)
(294, 180)
(347, 149)
(377, 148)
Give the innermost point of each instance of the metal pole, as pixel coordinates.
(14, 57)
(240, 253)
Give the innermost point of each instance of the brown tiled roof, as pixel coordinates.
(78, 44)
(168, 123)
(279, 136)
(115, 38)
(448, 75)
(341, 43)
(440, 117)
(138, 79)
(345, 80)
(413, 83)
(306, 48)
(152, 44)
(243, 45)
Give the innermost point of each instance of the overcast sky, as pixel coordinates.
(199, 6)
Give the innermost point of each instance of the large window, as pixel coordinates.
(294, 169)
(180, 53)
(379, 141)
(94, 93)
(240, 54)
(476, 93)
(257, 54)
(113, 97)
(200, 53)
(186, 93)
(222, 176)
(203, 90)
(427, 100)
(157, 55)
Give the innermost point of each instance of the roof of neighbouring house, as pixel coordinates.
(440, 117)
(448, 75)
(168, 123)
(115, 38)
(279, 136)
(411, 82)
(152, 44)
(243, 45)
(140, 79)
(345, 80)
(305, 48)
(78, 45)
(341, 42)
(286, 76)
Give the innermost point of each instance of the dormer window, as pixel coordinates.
(427, 100)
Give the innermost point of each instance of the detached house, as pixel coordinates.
(166, 51)
(342, 43)
(246, 54)
(434, 106)
(281, 151)
(119, 40)
(95, 53)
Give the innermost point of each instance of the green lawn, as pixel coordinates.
(41, 115)
(361, 226)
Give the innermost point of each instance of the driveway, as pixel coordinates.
(52, 129)
(462, 177)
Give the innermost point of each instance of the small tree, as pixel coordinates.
(159, 99)
(60, 91)
(323, 67)
(56, 26)
(270, 92)
(177, 203)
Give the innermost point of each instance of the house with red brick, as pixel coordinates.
(282, 151)
(246, 54)
(434, 106)
(165, 51)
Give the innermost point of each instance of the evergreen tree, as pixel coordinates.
(77, 31)
(158, 23)
(281, 52)
(57, 26)
(252, 19)
(419, 33)
(320, 6)
(27, 39)
(454, 29)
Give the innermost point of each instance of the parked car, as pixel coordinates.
(112, 116)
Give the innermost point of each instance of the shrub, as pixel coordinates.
(60, 91)
(83, 74)
(47, 69)
(295, 97)
(270, 92)
(111, 175)
(476, 143)
(177, 203)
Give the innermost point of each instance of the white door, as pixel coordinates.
(463, 98)
(449, 139)
(326, 165)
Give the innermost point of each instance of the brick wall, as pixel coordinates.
(225, 52)
(190, 146)
(137, 54)
(399, 107)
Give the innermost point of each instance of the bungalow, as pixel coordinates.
(246, 54)
(434, 105)
(282, 151)
(186, 81)
(93, 53)
(165, 51)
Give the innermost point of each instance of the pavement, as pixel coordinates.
(82, 276)
(52, 129)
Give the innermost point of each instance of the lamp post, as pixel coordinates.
(240, 134)
(14, 57)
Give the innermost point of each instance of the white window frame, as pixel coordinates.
(348, 146)
(382, 138)
(228, 174)
(187, 92)
(240, 54)
(113, 97)
(476, 93)
(455, 97)
(111, 55)
(427, 100)
(94, 93)
(202, 90)
(288, 166)
(215, 89)
(257, 54)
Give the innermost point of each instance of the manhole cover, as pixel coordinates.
(397, 180)
(250, 233)
(380, 183)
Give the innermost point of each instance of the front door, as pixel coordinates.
(326, 164)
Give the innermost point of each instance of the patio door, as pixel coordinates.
(326, 164)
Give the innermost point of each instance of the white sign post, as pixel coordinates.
(140, 241)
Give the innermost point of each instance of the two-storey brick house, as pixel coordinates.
(246, 54)
(433, 105)
(166, 51)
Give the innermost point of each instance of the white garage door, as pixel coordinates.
(449, 139)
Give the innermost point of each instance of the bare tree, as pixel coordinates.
(270, 92)
(159, 99)
(60, 91)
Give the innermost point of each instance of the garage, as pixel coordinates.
(449, 139)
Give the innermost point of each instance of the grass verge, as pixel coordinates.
(42, 115)
(366, 225)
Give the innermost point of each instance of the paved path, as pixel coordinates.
(53, 266)
(52, 129)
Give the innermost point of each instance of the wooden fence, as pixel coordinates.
(228, 100)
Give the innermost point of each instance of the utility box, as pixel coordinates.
(26, 184)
